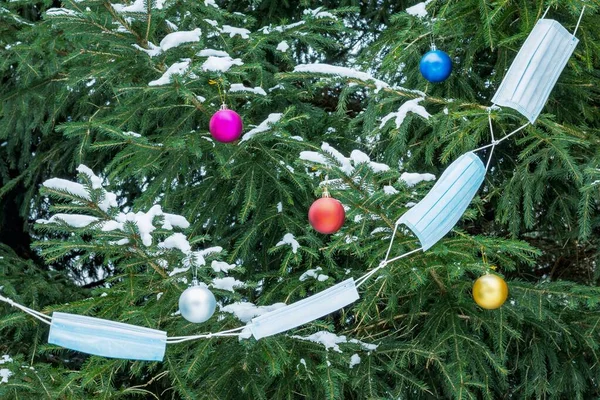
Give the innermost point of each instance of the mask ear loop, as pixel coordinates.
(545, 12)
(36, 314)
(579, 21)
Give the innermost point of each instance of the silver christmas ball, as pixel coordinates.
(197, 304)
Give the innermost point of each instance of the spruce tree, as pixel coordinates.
(105, 151)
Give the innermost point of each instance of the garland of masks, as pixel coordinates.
(525, 88)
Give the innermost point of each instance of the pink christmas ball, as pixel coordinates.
(226, 126)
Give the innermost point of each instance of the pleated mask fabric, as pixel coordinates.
(437, 213)
(536, 69)
(107, 338)
(305, 310)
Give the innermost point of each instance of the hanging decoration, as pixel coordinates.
(326, 215)
(525, 88)
(226, 125)
(435, 65)
(438, 212)
(490, 291)
(534, 72)
(106, 338)
(197, 303)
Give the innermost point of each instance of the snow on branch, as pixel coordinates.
(400, 115)
(345, 72)
(347, 165)
(175, 39)
(178, 68)
(289, 238)
(263, 126)
(331, 341)
(418, 10)
(239, 87)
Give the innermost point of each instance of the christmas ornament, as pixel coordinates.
(435, 65)
(326, 215)
(197, 303)
(226, 125)
(490, 291)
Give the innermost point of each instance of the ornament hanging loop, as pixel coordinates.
(221, 92)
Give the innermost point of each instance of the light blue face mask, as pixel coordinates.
(440, 210)
(107, 338)
(305, 310)
(536, 69)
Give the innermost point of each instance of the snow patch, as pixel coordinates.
(221, 64)
(54, 12)
(175, 39)
(288, 238)
(400, 115)
(411, 179)
(221, 266)
(390, 190)
(313, 273)
(418, 10)
(227, 283)
(319, 68)
(63, 185)
(354, 360)
(239, 87)
(263, 127)
(232, 30)
(178, 68)
(74, 220)
(283, 46)
(245, 311)
(317, 13)
(176, 241)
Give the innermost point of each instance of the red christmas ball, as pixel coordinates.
(326, 215)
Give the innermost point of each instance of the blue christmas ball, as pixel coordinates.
(435, 66)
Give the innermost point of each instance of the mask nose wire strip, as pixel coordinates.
(579, 21)
(36, 314)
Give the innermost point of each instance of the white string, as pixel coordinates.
(579, 21)
(487, 165)
(403, 255)
(545, 12)
(230, 332)
(36, 314)
(391, 240)
(381, 265)
(503, 139)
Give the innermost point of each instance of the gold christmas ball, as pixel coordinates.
(490, 291)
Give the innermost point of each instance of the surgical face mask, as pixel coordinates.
(434, 216)
(536, 69)
(107, 338)
(305, 310)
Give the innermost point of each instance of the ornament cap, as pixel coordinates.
(224, 107)
(325, 193)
